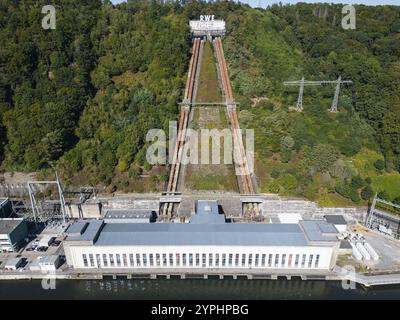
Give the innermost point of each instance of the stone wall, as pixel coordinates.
(310, 209)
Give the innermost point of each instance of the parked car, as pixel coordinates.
(41, 249)
(56, 243)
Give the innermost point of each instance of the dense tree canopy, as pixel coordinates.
(82, 97)
(45, 81)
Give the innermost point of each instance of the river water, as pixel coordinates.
(177, 289)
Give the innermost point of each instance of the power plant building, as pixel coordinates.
(12, 234)
(208, 241)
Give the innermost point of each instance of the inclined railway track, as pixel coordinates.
(183, 122)
(239, 151)
(189, 97)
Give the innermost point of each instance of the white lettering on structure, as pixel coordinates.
(207, 18)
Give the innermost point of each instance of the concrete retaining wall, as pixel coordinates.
(310, 209)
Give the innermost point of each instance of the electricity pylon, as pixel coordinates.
(302, 83)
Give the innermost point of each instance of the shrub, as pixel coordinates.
(265, 105)
(379, 164)
(357, 182)
(383, 195)
(274, 187)
(367, 192)
(347, 191)
(396, 200)
(286, 156)
(275, 173)
(288, 182)
(322, 156)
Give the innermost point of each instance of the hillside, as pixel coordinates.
(81, 98)
(334, 158)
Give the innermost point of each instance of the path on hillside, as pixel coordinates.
(209, 176)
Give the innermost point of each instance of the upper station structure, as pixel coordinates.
(207, 26)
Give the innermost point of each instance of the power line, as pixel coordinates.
(301, 83)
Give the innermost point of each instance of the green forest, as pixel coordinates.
(80, 99)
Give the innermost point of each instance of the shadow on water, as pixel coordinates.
(177, 289)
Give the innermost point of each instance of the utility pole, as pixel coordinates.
(301, 83)
(61, 195)
(299, 105)
(370, 215)
(336, 97)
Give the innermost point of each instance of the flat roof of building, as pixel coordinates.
(319, 230)
(201, 234)
(207, 212)
(129, 214)
(12, 262)
(7, 225)
(123, 234)
(90, 233)
(344, 244)
(49, 259)
(207, 207)
(77, 227)
(336, 219)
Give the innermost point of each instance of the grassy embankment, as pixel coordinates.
(209, 176)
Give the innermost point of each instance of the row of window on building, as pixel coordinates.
(201, 260)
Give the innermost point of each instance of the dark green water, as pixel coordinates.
(192, 289)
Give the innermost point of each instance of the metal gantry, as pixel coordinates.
(37, 212)
(301, 83)
(370, 216)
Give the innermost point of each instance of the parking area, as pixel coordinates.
(41, 246)
(387, 248)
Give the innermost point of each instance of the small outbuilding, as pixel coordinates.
(338, 221)
(46, 241)
(45, 263)
(13, 264)
(289, 217)
(345, 247)
(50, 263)
(12, 234)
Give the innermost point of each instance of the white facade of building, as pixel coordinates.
(45, 264)
(207, 242)
(341, 227)
(210, 27)
(5, 244)
(289, 217)
(184, 257)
